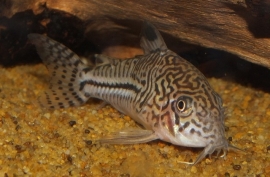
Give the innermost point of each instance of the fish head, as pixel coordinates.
(196, 121)
(192, 121)
(191, 114)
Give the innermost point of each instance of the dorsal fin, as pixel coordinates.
(151, 39)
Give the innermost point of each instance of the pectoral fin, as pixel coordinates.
(131, 136)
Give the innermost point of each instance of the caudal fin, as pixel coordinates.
(151, 39)
(65, 68)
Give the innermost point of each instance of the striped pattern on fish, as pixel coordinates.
(160, 90)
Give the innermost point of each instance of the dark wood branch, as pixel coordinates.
(238, 27)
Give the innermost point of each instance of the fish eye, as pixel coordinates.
(184, 105)
(181, 105)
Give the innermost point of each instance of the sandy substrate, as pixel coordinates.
(62, 142)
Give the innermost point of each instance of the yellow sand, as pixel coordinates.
(44, 143)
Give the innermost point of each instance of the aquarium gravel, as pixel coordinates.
(38, 142)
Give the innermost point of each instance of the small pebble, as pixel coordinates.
(268, 148)
(72, 123)
(47, 115)
(236, 167)
(57, 135)
(27, 143)
(18, 127)
(193, 169)
(88, 142)
(69, 158)
(86, 131)
(19, 148)
(227, 174)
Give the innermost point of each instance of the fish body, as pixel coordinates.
(164, 93)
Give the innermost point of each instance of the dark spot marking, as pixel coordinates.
(206, 130)
(177, 119)
(74, 71)
(186, 125)
(82, 84)
(76, 63)
(180, 129)
(195, 123)
(70, 84)
(143, 82)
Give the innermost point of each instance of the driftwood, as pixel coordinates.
(238, 27)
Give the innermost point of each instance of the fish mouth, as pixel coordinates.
(223, 147)
(211, 148)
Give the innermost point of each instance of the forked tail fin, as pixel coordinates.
(65, 68)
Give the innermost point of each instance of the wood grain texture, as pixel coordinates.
(239, 27)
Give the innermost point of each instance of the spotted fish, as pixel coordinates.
(164, 93)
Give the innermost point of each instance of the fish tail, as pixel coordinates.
(65, 68)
